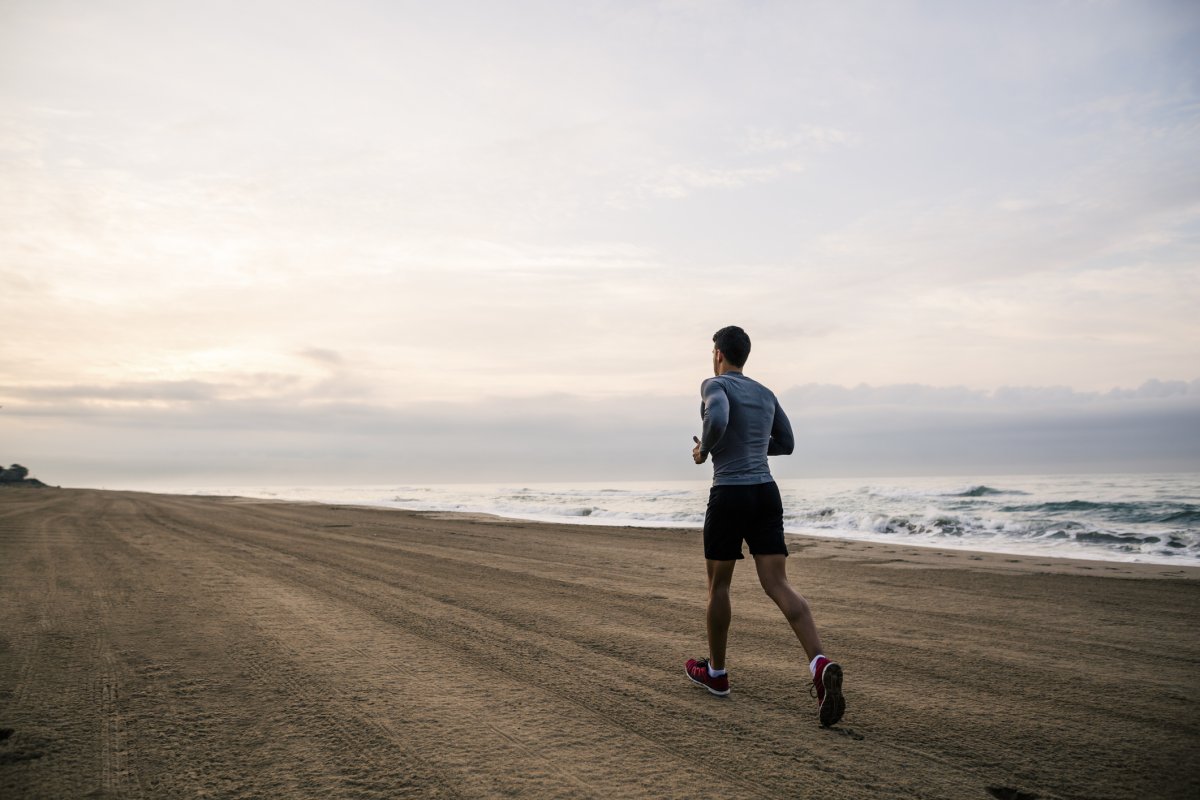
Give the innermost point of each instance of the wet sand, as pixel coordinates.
(163, 646)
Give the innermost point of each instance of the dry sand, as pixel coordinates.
(162, 646)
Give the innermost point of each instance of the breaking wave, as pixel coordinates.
(1120, 518)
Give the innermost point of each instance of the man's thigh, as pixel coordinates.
(764, 527)
(724, 522)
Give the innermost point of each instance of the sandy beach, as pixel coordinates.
(167, 646)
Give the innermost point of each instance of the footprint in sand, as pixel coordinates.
(1005, 793)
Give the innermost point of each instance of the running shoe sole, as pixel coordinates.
(834, 705)
(705, 685)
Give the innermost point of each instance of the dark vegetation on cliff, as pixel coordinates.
(16, 475)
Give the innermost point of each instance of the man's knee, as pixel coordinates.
(779, 591)
(790, 602)
(720, 575)
(773, 579)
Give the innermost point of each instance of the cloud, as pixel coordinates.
(802, 137)
(382, 205)
(1004, 398)
(906, 430)
(322, 356)
(140, 392)
(678, 182)
(161, 433)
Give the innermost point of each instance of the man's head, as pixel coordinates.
(731, 344)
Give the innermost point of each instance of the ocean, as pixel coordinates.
(1138, 518)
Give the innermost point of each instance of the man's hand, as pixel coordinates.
(696, 455)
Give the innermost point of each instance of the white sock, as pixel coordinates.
(812, 667)
(715, 673)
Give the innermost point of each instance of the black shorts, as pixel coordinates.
(753, 513)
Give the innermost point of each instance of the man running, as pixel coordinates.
(743, 424)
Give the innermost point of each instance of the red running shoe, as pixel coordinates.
(827, 687)
(697, 670)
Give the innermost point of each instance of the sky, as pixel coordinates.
(321, 243)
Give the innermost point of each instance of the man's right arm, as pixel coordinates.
(716, 415)
(782, 441)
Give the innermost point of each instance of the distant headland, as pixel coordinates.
(16, 475)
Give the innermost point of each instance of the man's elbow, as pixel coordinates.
(781, 448)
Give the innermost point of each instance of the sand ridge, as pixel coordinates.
(167, 646)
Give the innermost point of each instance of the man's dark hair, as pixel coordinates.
(733, 342)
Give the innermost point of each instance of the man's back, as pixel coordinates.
(743, 424)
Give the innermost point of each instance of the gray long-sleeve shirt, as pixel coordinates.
(743, 424)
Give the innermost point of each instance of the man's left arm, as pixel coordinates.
(782, 441)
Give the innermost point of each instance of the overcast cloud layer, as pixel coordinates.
(177, 435)
(491, 240)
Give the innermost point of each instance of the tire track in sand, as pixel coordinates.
(277, 605)
(592, 729)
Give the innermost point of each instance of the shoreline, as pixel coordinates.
(177, 645)
(925, 556)
(1121, 519)
(871, 549)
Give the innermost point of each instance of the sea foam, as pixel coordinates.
(1146, 518)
